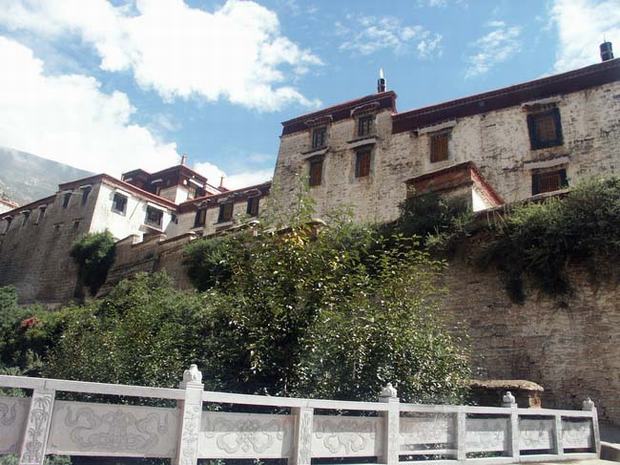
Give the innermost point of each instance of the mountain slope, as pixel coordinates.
(25, 177)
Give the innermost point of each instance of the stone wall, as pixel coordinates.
(569, 345)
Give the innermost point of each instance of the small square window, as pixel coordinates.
(316, 172)
(548, 181)
(154, 216)
(65, 199)
(119, 203)
(365, 125)
(362, 163)
(252, 209)
(226, 212)
(545, 129)
(200, 218)
(319, 137)
(439, 146)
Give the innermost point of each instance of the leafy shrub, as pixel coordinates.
(94, 255)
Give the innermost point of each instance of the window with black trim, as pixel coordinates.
(319, 137)
(226, 212)
(9, 220)
(26, 216)
(545, 129)
(41, 213)
(85, 193)
(65, 199)
(366, 125)
(548, 181)
(252, 209)
(119, 203)
(201, 217)
(362, 163)
(316, 172)
(154, 216)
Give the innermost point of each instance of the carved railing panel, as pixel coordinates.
(13, 414)
(487, 434)
(427, 431)
(536, 433)
(341, 436)
(81, 428)
(577, 434)
(245, 435)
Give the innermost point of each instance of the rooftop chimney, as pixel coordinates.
(381, 82)
(183, 159)
(606, 51)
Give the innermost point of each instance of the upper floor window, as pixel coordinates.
(366, 125)
(201, 217)
(26, 214)
(85, 193)
(65, 199)
(9, 220)
(252, 209)
(154, 216)
(545, 129)
(362, 163)
(119, 203)
(41, 213)
(548, 181)
(439, 146)
(316, 172)
(319, 137)
(226, 212)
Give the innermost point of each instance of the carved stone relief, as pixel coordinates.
(305, 437)
(238, 435)
(13, 412)
(536, 434)
(577, 434)
(37, 427)
(118, 429)
(427, 430)
(486, 434)
(346, 436)
(190, 436)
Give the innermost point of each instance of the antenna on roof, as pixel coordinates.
(221, 181)
(607, 52)
(381, 82)
(183, 159)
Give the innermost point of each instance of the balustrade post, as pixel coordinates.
(509, 401)
(304, 419)
(190, 415)
(557, 434)
(391, 426)
(588, 404)
(34, 441)
(461, 434)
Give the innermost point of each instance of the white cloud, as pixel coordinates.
(68, 118)
(236, 52)
(370, 34)
(493, 48)
(234, 181)
(582, 24)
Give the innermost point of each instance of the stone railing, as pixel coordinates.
(385, 432)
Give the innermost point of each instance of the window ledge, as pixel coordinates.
(315, 152)
(224, 223)
(118, 212)
(538, 164)
(361, 141)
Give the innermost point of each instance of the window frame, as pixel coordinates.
(535, 142)
(538, 176)
(223, 216)
(315, 180)
(122, 211)
(86, 190)
(147, 221)
(253, 206)
(314, 140)
(365, 130)
(201, 218)
(66, 199)
(363, 163)
(432, 137)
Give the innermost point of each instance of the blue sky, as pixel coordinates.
(115, 85)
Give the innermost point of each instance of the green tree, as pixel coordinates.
(94, 255)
